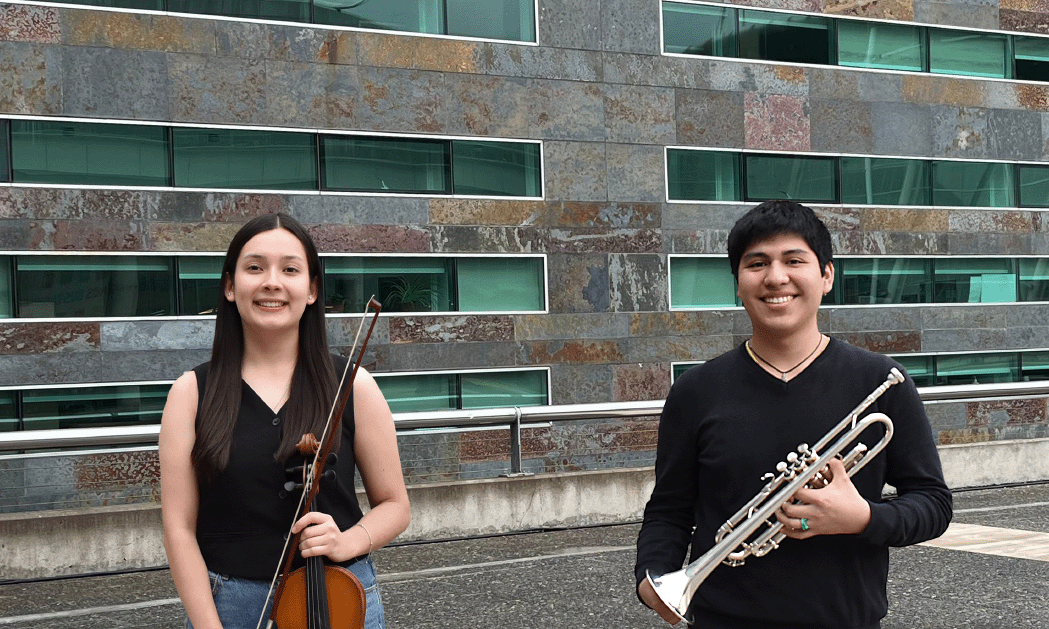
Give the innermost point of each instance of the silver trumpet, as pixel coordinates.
(804, 468)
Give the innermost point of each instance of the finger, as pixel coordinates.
(837, 470)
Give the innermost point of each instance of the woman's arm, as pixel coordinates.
(375, 450)
(180, 500)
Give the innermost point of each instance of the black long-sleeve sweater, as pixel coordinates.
(728, 422)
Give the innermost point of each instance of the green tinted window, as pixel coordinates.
(702, 175)
(695, 29)
(400, 284)
(679, 369)
(880, 45)
(861, 281)
(284, 10)
(89, 153)
(975, 280)
(701, 283)
(5, 151)
(386, 165)
(968, 53)
(419, 392)
(199, 284)
(234, 158)
(1031, 58)
(500, 284)
(1034, 279)
(7, 302)
(1034, 186)
(977, 369)
(94, 286)
(8, 414)
(496, 168)
(921, 369)
(90, 407)
(504, 389)
(973, 184)
(784, 37)
(1034, 366)
(878, 181)
(495, 19)
(416, 16)
(803, 179)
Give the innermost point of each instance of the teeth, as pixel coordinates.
(271, 304)
(778, 300)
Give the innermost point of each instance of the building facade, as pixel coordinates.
(540, 193)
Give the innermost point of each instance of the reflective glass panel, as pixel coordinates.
(386, 164)
(8, 416)
(500, 284)
(492, 19)
(284, 10)
(95, 286)
(496, 169)
(89, 153)
(679, 369)
(803, 179)
(416, 16)
(968, 53)
(5, 146)
(784, 37)
(400, 284)
(199, 284)
(1034, 366)
(236, 158)
(1034, 279)
(702, 175)
(977, 369)
(921, 369)
(695, 29)
(880, 45)
(1031, 58)
(881, 181)
(419, 392)
(1034, 186)
(883, 281)
(504, 389)
(975, 280)
(973, 184)
(92, 407)
(7, 301)
(701, 283)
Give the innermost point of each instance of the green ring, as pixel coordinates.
(804, 524)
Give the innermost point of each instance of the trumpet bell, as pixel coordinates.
(672, 588)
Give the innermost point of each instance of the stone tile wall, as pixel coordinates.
(604, 102)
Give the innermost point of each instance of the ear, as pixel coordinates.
(313, 292)
(828, 278)
(227, 289)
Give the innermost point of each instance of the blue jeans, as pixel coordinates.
(239, 601)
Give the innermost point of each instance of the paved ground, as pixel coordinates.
(983, 575)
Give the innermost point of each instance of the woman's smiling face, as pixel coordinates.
(271, 285)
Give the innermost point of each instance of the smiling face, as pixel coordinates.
(781, 286)
(271, 285)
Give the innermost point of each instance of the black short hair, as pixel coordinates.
(774, 218)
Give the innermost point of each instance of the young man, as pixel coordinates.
(728, 422)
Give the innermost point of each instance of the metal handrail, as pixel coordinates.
(133, 435)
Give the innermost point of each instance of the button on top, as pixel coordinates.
(276, 421)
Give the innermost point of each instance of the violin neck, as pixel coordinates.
(316, 594)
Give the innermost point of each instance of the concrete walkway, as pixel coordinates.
(990, 571)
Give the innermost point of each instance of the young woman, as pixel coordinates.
(230, 428)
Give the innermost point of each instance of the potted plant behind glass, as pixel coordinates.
(410, 293)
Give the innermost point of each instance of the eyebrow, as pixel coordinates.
(285, 257)
(762, 254)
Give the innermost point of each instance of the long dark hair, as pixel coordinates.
(313, 382)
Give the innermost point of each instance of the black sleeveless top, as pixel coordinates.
(245, 512)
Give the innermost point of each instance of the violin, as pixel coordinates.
(319, 595)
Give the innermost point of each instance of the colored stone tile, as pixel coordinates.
(115, 83)
(904, 320)
(131, 31)
(387, 50)
(211, 236)
(606, 215)
(338, 48)
(87, 235)
(371, 238)
(884, 342)
(881, 9)
(630, 26)
(904, 220)
(840, 126)
(582, 283)
(570, 24)
(996, 414)
(295, 92)
(395, 99)
(566, 110)
(639, 283)
(944, 317)
(635, 173)
(23, 23)
(30, 79)
(580, 384)
(570, 351)
(117, 204)
(961, 132)
(40, 338)
(570, 326)
(533, 61)
(682, 73)
(156, 335)
(666, 324)
(221, 206)
(486, 212)
(924, 88)
(1025, 337)
(1023, 21)
(342, 97)
(710, 118)
(412, 356)
(1036, 6)
(251, 40)
(962, 340)
(358, 210)
(1014, 135)
(678, 348)
(982, 14)
(902, 129)
(601, 241)
(487, 239)
(981, 243)
(776, 122)
(40, 203)
(991, 221)
(898, 243)
(462, 328)
(217, 89)
(575, 171)
(639, 115)
(54, 368)
(1032, 97)
(118, 471)
(1027, 315)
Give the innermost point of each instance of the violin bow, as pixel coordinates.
(311, 484)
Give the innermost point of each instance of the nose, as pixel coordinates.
(272, 280)
(777, 274)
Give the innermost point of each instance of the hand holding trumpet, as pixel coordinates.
(834, 509)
